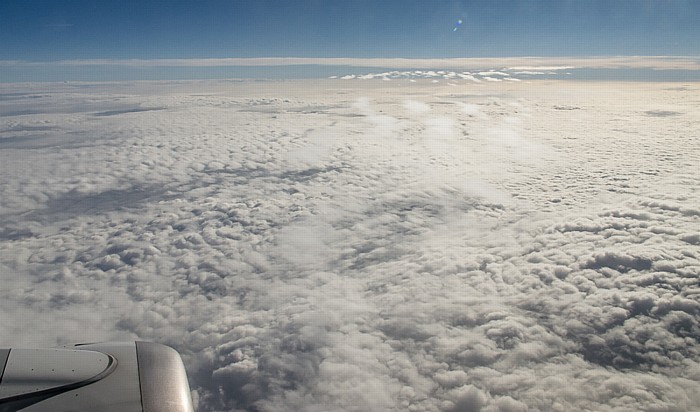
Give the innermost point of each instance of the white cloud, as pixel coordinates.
(538, 69)
(512, 63)
(493, 73)
(416, 106)
(337, 246)
(470, 109)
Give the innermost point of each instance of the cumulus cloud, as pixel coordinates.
(352, 245)
(416, 107)
(413, 75)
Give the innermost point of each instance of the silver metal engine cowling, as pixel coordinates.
(118, 377)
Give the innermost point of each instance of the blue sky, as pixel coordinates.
(35, 35)
(58, 30)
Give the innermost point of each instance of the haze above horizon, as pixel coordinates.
(42, 32)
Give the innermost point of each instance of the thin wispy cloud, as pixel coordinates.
(515, 63)
(412, 228)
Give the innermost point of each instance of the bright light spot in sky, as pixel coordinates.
(459, 23)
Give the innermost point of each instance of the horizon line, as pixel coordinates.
(515, 63)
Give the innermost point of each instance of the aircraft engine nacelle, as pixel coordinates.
(115, 377)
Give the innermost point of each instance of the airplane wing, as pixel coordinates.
(115, 377)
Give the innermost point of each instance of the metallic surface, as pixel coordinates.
(4, 353)
(115, 377)
(164, 385)
(117, 392)
(37, 370)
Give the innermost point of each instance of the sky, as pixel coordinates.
(49, 31)
(431, 230)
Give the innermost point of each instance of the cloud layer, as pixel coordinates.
(334, 245)
(466, 63)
